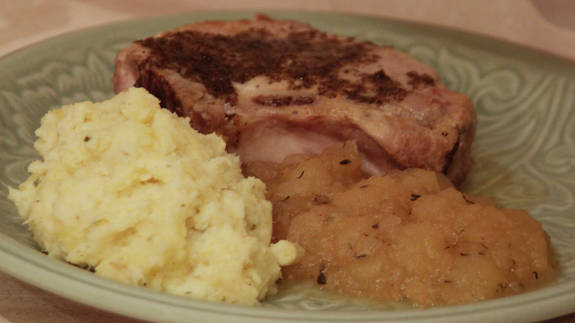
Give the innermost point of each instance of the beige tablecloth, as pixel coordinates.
(547, 25)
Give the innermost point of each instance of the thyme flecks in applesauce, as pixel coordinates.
(407, 236)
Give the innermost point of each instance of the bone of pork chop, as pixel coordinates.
(273, 88)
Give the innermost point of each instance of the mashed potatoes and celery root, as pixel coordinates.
(130, 190)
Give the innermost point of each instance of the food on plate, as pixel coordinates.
(131, 191)
(408, 236)
(275, 88)
(313, 115)
(360, 147)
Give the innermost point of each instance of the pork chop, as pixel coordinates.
(274, 88)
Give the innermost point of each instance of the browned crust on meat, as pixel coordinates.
(303, 58)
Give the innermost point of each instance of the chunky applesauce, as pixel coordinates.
(408, 236)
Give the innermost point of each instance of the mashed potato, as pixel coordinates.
(131, 191)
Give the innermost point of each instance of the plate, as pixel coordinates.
(524, 157)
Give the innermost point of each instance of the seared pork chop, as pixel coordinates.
(274, 88)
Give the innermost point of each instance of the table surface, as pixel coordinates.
(547, 25)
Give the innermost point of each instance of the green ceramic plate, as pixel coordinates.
(524, 157)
